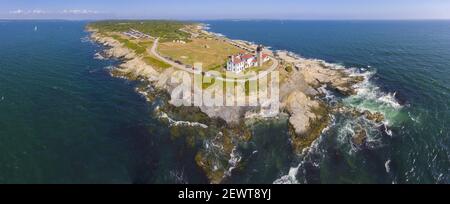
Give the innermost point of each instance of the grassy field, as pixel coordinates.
(140, 48)
(165, 30)
(265, 66)
(136, 47)
(152, 61)
(211, 52)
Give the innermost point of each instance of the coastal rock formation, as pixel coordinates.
(299, 97)
(229, 114)
(134, 66)
(316, 73)
(137, 67)
(116, 50)
(309, 116)
(300, 107)
(376, 117)
(360, 137)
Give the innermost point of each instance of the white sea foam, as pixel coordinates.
(86, 39)
(387, 166)
(290, 54)
(414, 119)
(389, 98)
(369, 97)
(369, 91)
(345, 132)
(329, 96)
(99, 56)
(219, 34)
(173, 122)
(110, 67)
(290, 178)
(178, 176)
(206, 26)
(234, 160)
(144, 94)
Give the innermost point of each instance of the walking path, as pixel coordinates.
(244, 78)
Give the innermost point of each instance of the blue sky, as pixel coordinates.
(225, 9)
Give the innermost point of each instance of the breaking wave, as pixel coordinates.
(178, 176)
(369, 97)
(234, 160)
(310, 156)
(173, 122)
(290, 178)
(99, 56)
(86, 39)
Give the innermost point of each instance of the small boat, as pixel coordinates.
(35, 28)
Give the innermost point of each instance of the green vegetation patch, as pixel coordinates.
(130, 45)
(166, 30)
(156, 62)
(213, 53)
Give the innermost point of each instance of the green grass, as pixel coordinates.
(166, 30)
(140, 48)
(146, 44)
(131, 45)
(156, 63)
(213, 54)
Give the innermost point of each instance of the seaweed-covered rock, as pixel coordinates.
(360, 137)
(376, 117)
(308, 118)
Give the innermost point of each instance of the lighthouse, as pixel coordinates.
(259, 55)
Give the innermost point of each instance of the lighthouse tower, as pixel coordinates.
(259, 55)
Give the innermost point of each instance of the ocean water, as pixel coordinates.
(64, 119)
(408, 67)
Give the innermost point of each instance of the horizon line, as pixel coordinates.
(226, 19)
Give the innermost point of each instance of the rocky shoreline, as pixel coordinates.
(300, 98)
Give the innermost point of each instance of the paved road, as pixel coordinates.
(155, 53)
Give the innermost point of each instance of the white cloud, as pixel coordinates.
(79, 11)
(37, 11)
(26, 12)
(18, 11)
(64, 12)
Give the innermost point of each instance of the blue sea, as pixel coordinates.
(64, 119)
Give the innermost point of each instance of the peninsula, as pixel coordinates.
(156, 52)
